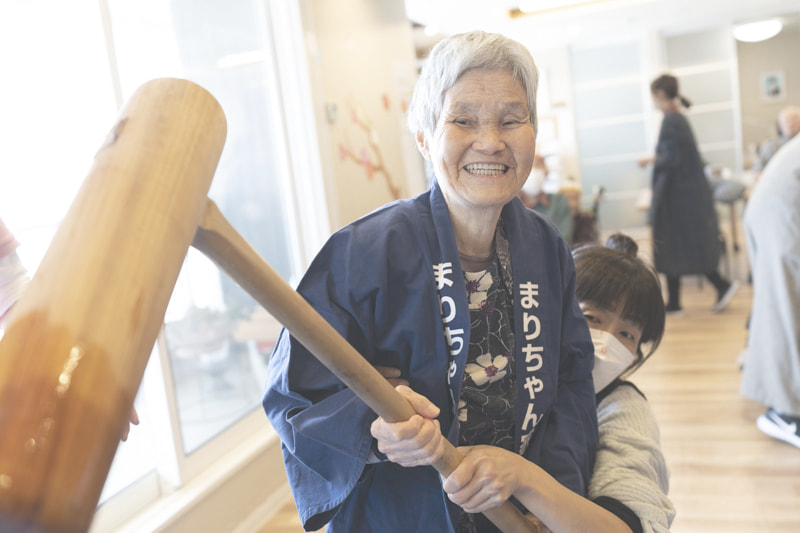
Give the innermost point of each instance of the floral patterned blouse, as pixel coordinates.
(488, 394)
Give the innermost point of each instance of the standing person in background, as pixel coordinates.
(13, 274)
(682, 215)
(771, 373)
(467, 293)
(620, 297)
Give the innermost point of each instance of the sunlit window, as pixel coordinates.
(218, 338)
(67, 68)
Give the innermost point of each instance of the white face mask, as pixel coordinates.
(611, 358)
(533, 185)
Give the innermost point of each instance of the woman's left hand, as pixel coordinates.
(485, 478)
(415, 442)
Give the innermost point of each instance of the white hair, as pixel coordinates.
(457, 54)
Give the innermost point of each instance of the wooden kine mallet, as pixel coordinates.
(77, 342)
(76, 345)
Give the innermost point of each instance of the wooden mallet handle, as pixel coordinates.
(78, 340)
(218, 240)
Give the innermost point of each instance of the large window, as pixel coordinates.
(217, 337)
(68, 67)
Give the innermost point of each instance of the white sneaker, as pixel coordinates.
(779, 426)
(725, 298)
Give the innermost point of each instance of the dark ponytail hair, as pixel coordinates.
(622, 243)
(669, 85)
(612, 277)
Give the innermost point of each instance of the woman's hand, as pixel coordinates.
(134, 419)
(392, 375)
(485, 478)
(417, 441)
(643, 162)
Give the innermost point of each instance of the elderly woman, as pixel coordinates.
(465, 291)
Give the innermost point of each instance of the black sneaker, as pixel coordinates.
(780, 426)
(673, 310)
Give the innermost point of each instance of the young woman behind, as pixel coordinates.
(685, 227)
(620, 297)
(621, 300)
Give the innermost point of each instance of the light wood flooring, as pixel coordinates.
(726, 476)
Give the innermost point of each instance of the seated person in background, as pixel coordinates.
(788, 126)
(620, 297)
(554, 206)
(584, 230)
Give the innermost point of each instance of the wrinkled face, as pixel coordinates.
(626, 332)
(483, 145)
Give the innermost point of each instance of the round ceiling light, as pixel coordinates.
(753, 32)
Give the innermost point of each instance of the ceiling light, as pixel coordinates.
(762, 30)
(529, 6)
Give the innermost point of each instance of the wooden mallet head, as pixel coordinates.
(77, 342)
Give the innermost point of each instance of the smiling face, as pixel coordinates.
(483, 146)
(625, 331)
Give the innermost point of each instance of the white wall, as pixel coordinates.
(601, 132)
(555, 108)
(755, 59)
(362, 60)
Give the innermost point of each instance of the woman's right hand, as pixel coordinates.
(417, 441)
(649, 160)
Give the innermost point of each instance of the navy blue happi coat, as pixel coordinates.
(392, 285)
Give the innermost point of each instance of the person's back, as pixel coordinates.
(771, 372)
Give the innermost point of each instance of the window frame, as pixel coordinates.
(157, 495)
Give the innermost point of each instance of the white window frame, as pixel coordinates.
(180, 480)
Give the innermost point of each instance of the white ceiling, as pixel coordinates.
(592, 20)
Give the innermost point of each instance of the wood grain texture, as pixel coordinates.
(726, 474)
(77, 342)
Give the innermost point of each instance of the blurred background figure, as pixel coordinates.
(771, 373)
(787, 126)
(686, 236)
(554, 206)
(585, 230)
(13, 274)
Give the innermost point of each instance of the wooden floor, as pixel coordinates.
(726, 476)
